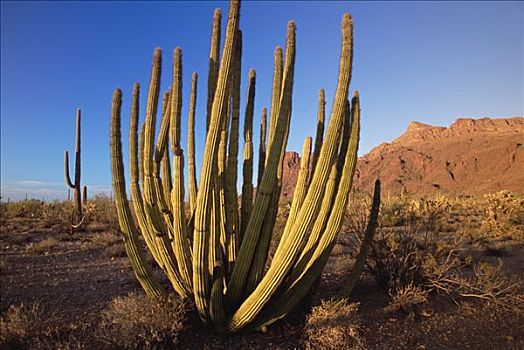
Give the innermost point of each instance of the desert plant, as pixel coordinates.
(333, 325)
(77, 218)
(366, 234)
(407, 299)
(224, 271)
(136, 322)
(486, 282)
(411, 261)
(44, 246)
(23, 327)
(27, 208)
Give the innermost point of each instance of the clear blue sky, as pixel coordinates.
(425, 61)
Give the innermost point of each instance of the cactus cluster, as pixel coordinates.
(80, 194)
(217, 255)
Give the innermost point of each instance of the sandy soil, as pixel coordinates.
(75, 279)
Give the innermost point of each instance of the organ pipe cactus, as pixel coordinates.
(77, 218)
(217, 255)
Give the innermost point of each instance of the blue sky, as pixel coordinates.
(425, 61)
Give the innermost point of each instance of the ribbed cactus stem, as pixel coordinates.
(286, 254)
(216, 307)
(214, 53)
(191, 144)
(176, 102)
(318, 227)
(329, 150)
(260, 206)
(162, 162)
(344, 140)
(136, 193)
(180, 242)
(162, 140)
(262, 146)
(217, 256)
(356, 271)
(141, 268)
(201, 278)
(232, 222)
(155, 219)
(300, 191)
(150, 194)
(321, 117)
(247, 170)
(275, 95)
(307, 276)
(259, 261)
(167, 182)
(142, 141)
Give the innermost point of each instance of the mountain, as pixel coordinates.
(471, 156)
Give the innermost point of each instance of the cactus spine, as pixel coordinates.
(217, 256)
(75, 186)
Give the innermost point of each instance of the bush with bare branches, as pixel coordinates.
(333, 325)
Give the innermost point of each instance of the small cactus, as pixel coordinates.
(78, 217)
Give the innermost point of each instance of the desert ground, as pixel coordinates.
(443, 273)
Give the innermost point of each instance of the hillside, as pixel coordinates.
(471, 156)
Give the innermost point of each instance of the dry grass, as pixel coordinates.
(136, 322)
(116, 251)
(22, 327)
(44, 246)
(332, 325)
(408, 300)
(103, 240)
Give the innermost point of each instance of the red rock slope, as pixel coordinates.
(472, 156)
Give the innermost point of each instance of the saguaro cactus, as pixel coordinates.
(217, 256)
(77, 218)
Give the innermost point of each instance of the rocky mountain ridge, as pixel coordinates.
(471, 156)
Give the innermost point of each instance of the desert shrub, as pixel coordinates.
(104, 210)
(398, 253)
(408, 299)
(43, 246)
(333, 325)
(501, 218)
(411, 261)
(136, 322)
(96, 227)
(485, 282)
(116, 251)
(391, 212)
(23, 327)
(103, 240)
(28, 208)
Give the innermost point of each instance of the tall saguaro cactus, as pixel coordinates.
(75, 185)
(218, 255)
